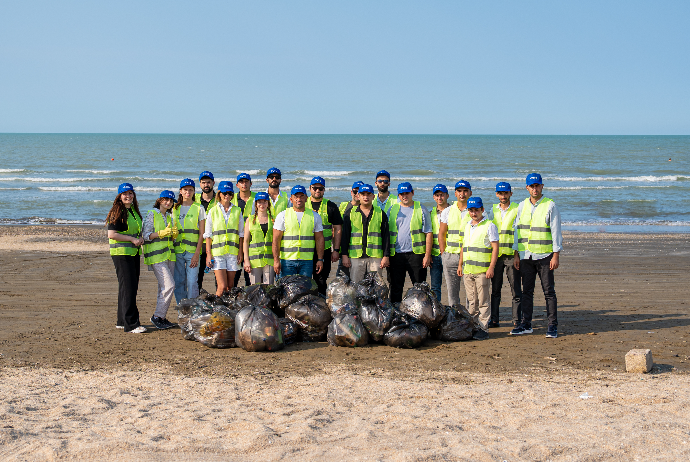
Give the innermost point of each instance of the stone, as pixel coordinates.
(639, 361)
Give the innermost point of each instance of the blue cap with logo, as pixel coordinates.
(366, 188)
(533, 178)
(261, 196)
(474, 202)
(167, 194)
(298, 189)
(383, 173)
(318, 180)
(187, 182)
(503, 186)
(206, 174)
(404, 187)
(225, 187)
(440, 187)
(463, 184)
(124, 187)
(273, 171)
(244, 176)
(357, 184)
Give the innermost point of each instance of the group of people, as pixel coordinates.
(269, 233)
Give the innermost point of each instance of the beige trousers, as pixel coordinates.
(361, 266)
(478, 290)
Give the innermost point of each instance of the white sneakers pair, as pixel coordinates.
(138, 330)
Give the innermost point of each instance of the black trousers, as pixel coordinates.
(505, 264)
(402, 264)
(202, 266)
(246, 277)
(322, 278)
(127, 269)
(528, 271)
(341, 268)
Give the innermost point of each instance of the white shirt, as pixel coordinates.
(208, 232)
(185, 208)
(280, 221)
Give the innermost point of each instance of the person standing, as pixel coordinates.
(332, 228)
(159, 254)
(224, 231)
(440, 194)
(279, 201)
(451, 229)
(383, 199)
(258, 241)
(244, 199)
(411, 240)
(190, 219)
(297, 235)
(366, 237)
(537, 245)
(124, 236)
(503, 215)
(206, 199)
(344, 209)
(477, 263)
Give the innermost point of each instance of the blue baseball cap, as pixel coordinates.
(273, 171)
(261, 196)
(440, 187)
(318, 180)
(206, 174)
(503, 186)
(225, 187)
(298, 189)
(244, 176)
(357, 184)
(383, 173)
(404, 187)
(475, 202)
(187, 182)
(463, 184)
(534, 178)
(124, 187)
(167, 194)
(366, 188)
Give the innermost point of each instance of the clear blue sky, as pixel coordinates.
(451, 67)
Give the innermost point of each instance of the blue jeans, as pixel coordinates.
(436, 275)
(290, 267)
(186, 278)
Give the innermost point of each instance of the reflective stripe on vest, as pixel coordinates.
(533, 231)
(456, 228)
(281, 204)
(374, 238)
(298, 239)
(188, 231)
(327, 226)
(505, 228)
(247, 206)
(226, 236)
(476, 256)
(417, 236)
(159, 249)
(260, 252)
(435, 224)
(133, 229)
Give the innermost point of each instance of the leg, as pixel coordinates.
(515, 289)
(397, 272)
(342, 269)
(528, 274)
(415, 264)
(192, 279)
(269, 276)
(166, 285)
(220, 269)
(483, 288)
(246, 278)
(288, 268)
(472, 299)
(548, 286)
(436, 275)
(120, 269)
(322, 277)
(202, 265)
(357, 269)
(305, 267)
(453, 281)
(127, 269)
(496, 285)
(373, 265)
(181, 276)
(255, 275)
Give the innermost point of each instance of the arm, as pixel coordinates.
(337, 230)
(556, 236)
(442, 231)
(345, 240)
(112, 234)
(148, 230)
(195, 258)
(245, 247)
(494, 259)
(385, 241)
(427, 254)
(318, 238)
(209, 255)
(460, 263)
(275, 248)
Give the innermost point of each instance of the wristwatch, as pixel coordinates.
(320, 259)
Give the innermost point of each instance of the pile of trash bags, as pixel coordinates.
(311, 314)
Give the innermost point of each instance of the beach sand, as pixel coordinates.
(74, 387)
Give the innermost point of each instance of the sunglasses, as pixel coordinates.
(317, 188)
(383, 181)
(273, 177)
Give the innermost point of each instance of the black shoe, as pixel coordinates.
(494, 324)
(160, 323)
(481, 335)
(522, 329)
(552, 332)
(169, 324)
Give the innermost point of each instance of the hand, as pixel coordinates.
(490, 273)
(247, 267)
(385, 262)
(138, 241)
(175, 232)
(334, 256)
(195, 261)
(346, 261)
(459, 270)
(516, 262)
(240, 258)
(554, 261)
(276, 267)
(165, 232)
(426, 262)
(319, 267)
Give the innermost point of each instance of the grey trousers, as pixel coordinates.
(165, 273)
(360, 266)
(263, 275)
(453, 281)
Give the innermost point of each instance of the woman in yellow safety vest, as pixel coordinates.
(258, 239)
(159, 254)
(124, 235)
(189, 217)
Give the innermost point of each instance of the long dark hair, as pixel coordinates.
(118, 212)
(157, 205)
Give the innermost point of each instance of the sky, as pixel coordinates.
(365, 67)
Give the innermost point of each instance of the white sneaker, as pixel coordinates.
(138, 330)
(119, 327)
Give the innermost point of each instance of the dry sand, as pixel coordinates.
(74, 387)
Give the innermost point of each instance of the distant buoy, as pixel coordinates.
(114, 158)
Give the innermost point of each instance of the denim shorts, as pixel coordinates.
(225, 262)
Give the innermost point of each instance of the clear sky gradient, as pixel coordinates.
(446, 67)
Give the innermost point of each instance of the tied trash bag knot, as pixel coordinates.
(456, 326)
(371, 287)
(293, 287)
(421, 304)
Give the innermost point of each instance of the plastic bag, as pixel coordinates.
(290, 331)
(233, 295)
(456, 326)
(262, 295)
(346, 330)
(219, 330)
(376, 317)
(258, 329)
(422, 304)
(340, 292)
(293, 287)
(184, 314)
(371, 287)
(312, 316)
(405, 332)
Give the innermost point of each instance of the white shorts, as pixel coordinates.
(225, 262)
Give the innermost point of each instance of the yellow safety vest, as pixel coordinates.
(197, 200)
(327, 226)
(435, 215)
(476, 256)
(534, 232)
(374, 237)
(226, 236)
(456, 228)
(298, 239)
(391, 201)
(505, 228)
(247, 206)
(160, 249)
(188, 232)
(133, 229)
(281, 204)
(260, 252)
(416, 225)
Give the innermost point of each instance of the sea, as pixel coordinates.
(600, 183)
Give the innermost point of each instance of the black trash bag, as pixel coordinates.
(258, 329)
(456, 326)
(184, 314)
(219, 330)
(232, 295)
(312, 316)
(405, 332)
(371, 287)
(293, 287)
(376, 317)
(421, 304)
(290, 331)
(206, 296)
(346, 330)
(262, 295)
(340, 292)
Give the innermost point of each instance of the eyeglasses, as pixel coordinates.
(317, 188)
(383, 181)
(273, 177)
